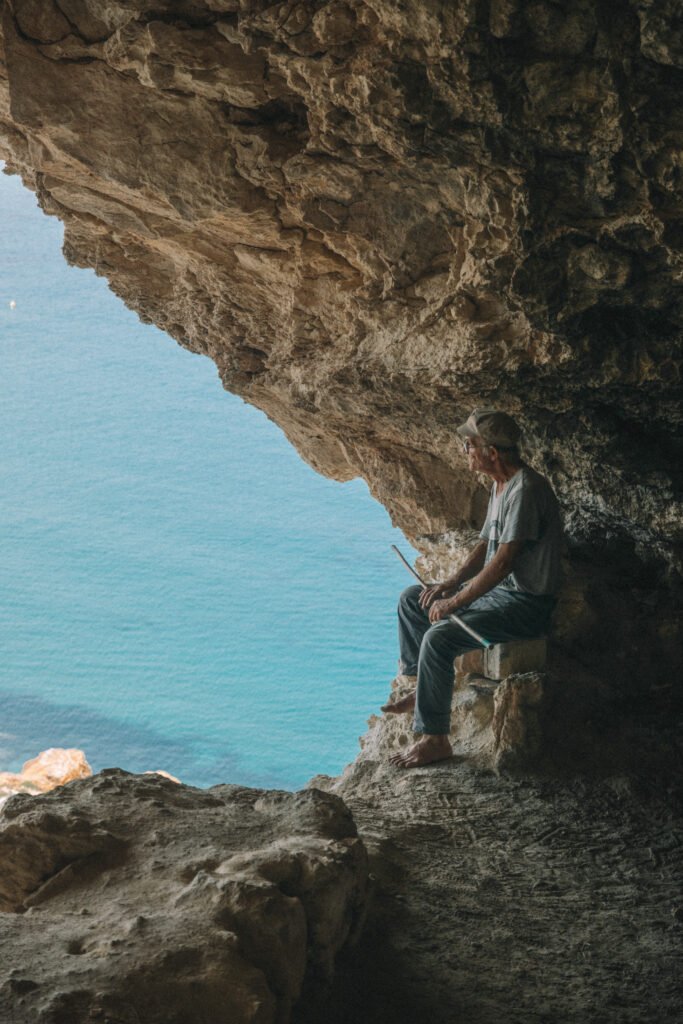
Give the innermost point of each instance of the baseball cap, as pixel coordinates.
(493, 427)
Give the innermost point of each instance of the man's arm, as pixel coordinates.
(472, 565)
(486, 579)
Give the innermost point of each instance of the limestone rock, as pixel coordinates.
(493, 724)
(502, 660)
(516, 723)
(514, 897)
(52, 767)
(374, 218)
(134, 898)
(165, 775)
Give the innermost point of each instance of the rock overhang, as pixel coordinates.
(373, 217)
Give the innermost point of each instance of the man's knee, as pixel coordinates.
(439, 639)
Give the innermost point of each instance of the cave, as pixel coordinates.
(374, 217)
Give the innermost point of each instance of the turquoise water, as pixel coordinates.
(179, 590)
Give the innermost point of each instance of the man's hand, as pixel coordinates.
(445, 607)
(440, 610)
(433, 592)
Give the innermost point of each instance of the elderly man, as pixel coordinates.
(505, 590)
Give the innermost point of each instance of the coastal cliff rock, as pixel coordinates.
(51, 768)
(374, 216)
(132, 898)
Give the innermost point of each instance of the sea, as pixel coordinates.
(179, 590)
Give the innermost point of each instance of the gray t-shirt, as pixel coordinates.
(527, 510)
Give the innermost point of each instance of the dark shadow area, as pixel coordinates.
(527, 900)
(599, 725)
(374, 981)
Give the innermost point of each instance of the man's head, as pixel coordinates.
(489, 438)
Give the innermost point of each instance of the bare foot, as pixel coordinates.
(402, 706)
(425, 751)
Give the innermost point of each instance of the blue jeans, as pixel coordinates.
(428, 651)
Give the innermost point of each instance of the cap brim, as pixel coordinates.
(466, 431)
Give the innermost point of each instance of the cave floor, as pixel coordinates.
(515, 900)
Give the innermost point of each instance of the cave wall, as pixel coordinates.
(374, 215)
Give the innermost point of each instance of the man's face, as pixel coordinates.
(479, 455)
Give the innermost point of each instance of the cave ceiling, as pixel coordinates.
(374, 215)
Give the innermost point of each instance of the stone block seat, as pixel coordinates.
(497, 711)
(497, 702)
(506, 659)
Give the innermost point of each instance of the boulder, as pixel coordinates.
(134, 898)
(53, 767)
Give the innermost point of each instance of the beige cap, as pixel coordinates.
(493, 427)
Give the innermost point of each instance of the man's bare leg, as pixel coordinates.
(402, 706)
(427, 750)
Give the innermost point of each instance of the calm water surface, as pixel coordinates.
(179, 590)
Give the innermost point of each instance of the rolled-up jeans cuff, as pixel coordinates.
(437, 726)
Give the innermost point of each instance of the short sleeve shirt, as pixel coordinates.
(527, 510)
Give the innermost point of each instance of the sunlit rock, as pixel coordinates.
(52, 767)
(165, 775)
(138, 899)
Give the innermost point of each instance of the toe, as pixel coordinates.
(400, 759)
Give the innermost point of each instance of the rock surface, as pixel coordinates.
(52, 767)
(526, 898)
(494, 725)
(132, 898)
(374, 216)
(522, 900)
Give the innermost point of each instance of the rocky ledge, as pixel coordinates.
(527, 898)
(133, 898)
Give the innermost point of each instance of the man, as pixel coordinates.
(505, 590)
